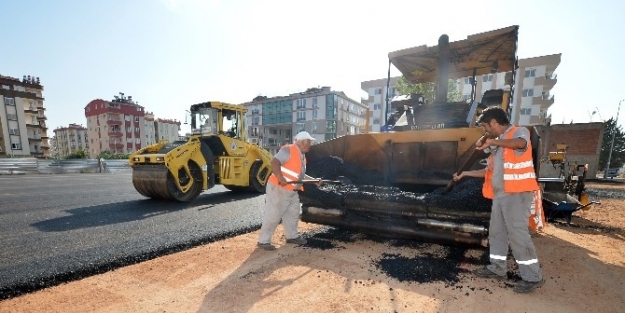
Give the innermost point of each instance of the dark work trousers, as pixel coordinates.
(509, 222)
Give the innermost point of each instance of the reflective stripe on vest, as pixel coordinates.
(518, 171)
(291, 169)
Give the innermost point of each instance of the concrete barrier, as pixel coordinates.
(16, 166)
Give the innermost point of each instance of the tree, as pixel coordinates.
(618, 151)
(428, 90)
(79, 154)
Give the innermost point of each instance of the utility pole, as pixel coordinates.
(614, 129)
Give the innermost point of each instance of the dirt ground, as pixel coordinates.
(584, 267)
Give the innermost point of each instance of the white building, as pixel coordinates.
(376, 101)
(23, 130)
(68, 140)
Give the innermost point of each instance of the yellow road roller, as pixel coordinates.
(217, 153)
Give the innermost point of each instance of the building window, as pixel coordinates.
(487, 78)
(9, 101)
(6, 87)
(315, 114)
(301, 127)
(301, 116)
(330, 126)
(528, 92)
(378, 91)
(376, 106)
(14, 131)
(314, 128)
(530, 73)
(391, 92)
(526, 111)
(376, 121)
(301, 103)
(136, 119)
(16, 146)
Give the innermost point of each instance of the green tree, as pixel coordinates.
(79, 154)
(618, 151)
(428, 90)
(108, 155)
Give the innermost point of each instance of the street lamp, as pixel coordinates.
(614, 129)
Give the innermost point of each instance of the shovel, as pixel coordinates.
(340, 180)
(475, 155)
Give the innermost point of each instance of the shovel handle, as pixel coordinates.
(475, 155)
(311, 181)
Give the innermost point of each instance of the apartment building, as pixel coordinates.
(324, 113)
(116, 126)
(166, 129)
(70, 139)
(150, 131)
(377, 91)
(531, 98)
(23, 130)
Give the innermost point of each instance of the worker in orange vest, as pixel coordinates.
(282, 198)
(510, 181)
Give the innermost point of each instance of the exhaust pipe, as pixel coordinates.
(465, 228)
(428, 235)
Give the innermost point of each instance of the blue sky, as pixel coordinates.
(169, 54)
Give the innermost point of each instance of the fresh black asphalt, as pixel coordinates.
(59, 228)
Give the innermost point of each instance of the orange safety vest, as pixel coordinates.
(290, 170)
(518, 176)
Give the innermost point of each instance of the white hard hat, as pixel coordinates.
(303, 136)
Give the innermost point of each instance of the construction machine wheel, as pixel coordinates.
(255, 171)
(157, 182)
(184, 180)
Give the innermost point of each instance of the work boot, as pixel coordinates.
(266, 246)
(525, 286)
(297, 240)
(486, 273)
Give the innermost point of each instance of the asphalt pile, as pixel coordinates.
(333, 167)
(366, 191)
(410, 261)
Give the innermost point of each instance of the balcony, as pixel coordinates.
(31, 109)
(114, 122)
(546, 81)
(545, 101)
(118, 145)
(42, 124)
(115, 133)
(34, 138)
(41, 116)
